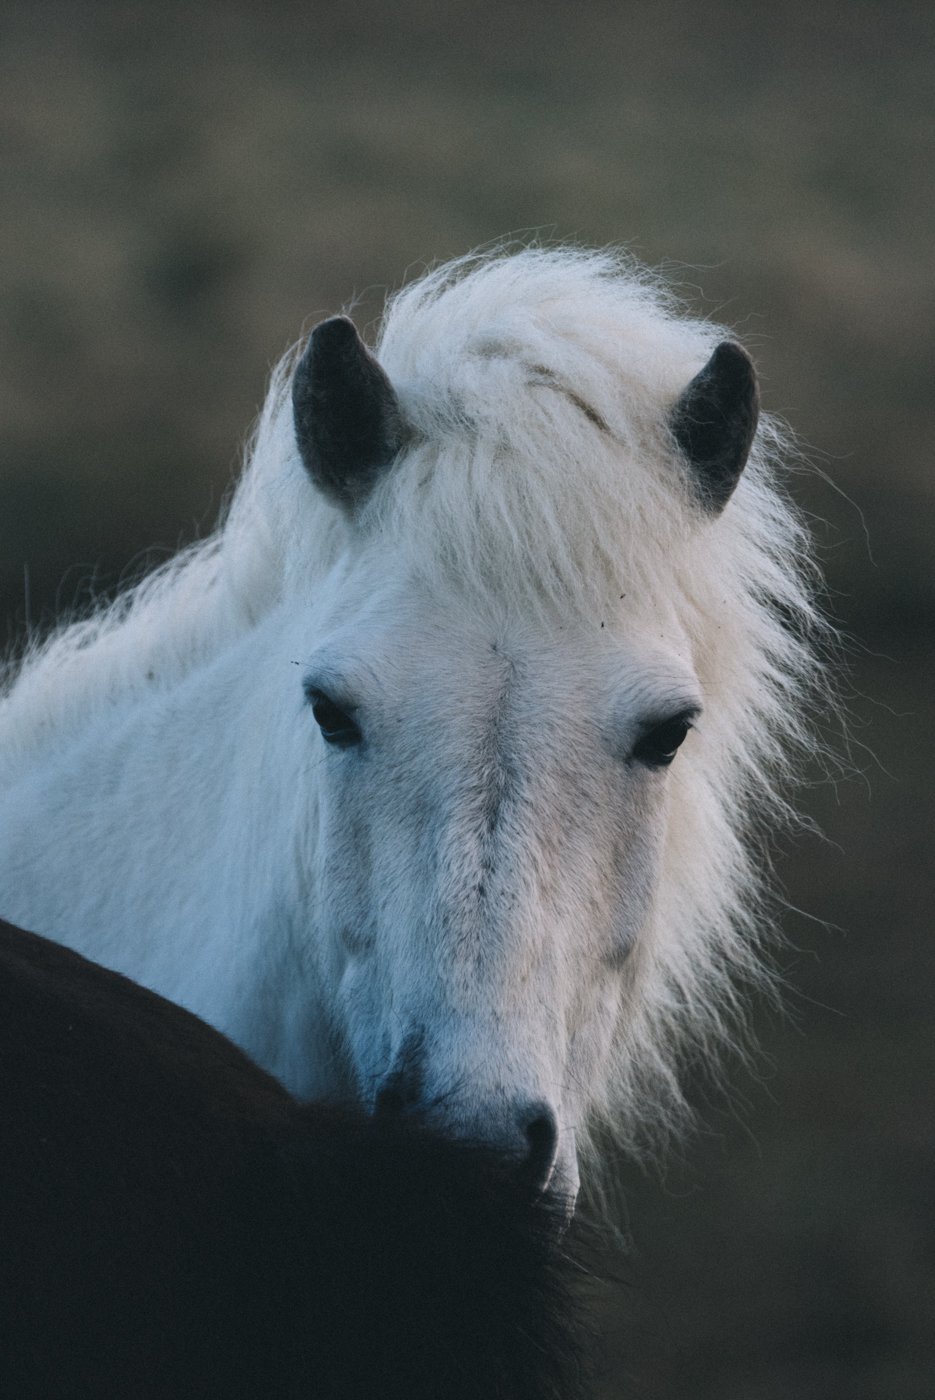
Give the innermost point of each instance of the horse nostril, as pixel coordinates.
(400, 1090)
(541, 1131)
(390, 1101)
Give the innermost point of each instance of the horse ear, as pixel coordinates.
(348, 424)
(714, 421)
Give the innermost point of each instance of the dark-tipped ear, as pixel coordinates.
(714, 422)
(347, 420)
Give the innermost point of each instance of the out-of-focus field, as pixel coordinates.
(185, 188)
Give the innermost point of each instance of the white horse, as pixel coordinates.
(430, 776)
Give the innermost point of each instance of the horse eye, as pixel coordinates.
(659, 745)
(336, 725)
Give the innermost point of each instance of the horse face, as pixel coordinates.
(493, 800)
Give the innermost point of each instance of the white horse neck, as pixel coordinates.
(158, 837)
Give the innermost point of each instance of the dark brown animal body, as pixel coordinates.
(173, 1224)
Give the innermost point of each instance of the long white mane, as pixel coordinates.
(540, 471)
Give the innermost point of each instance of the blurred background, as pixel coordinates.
(186, 187)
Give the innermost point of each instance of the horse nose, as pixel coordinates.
(526, 1136)
(540, 1130)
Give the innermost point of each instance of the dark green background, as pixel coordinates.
(185, 187)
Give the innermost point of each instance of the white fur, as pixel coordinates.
(489, 872)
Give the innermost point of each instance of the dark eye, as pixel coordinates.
(336, 725)
(659, 745)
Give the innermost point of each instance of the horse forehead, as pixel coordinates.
(508, 682)
(406, 641)
(519, 670)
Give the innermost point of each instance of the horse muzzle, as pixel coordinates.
(523, 1133)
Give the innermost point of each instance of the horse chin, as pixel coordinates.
(560, 1196)
(557, 1209)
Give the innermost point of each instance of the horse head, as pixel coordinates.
(495, 779)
